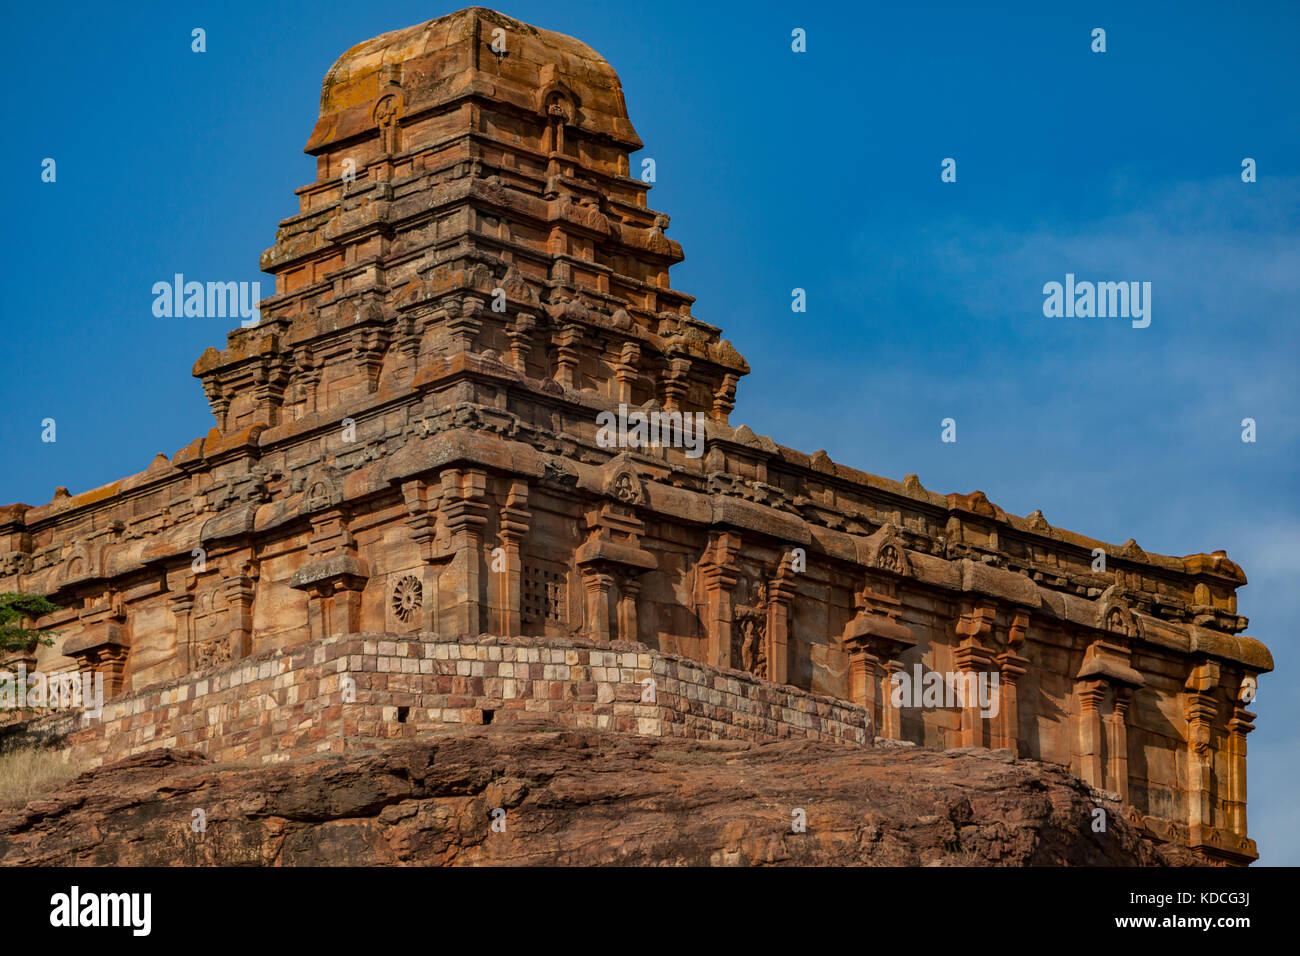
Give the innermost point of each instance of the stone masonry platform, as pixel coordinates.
(354, 692)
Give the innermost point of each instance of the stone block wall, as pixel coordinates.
(290, 703)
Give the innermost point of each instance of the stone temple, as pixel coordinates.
(405, 514)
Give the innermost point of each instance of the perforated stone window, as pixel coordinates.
(542, 595)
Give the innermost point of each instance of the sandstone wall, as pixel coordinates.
(288, 703)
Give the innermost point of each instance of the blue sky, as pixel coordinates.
(780, 170)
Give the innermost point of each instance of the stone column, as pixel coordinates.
(345, 608)
(612, 553)
(676, 380)
(597, 584)
(892, 723)
(240, 592)
(318, 597)
(269, 381)
(970, 662)
(464, 322)
(781, 594)
(1117, 740)
(422, 508)
(566, 355)
(333, 584)
(110, 660)
(182, 606)
(625, 371)
(219, 400)
(514, 525)
(724, 399)
(1091, 694)
(873, 639)
(1200, 709)
(521, 341)
(720, 572)
(971, 657)
(865, 687)
(1010, 669)
(628, 590)
(1241, 723)
(465, 515)
(103, 644)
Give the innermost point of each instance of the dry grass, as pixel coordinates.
(31, 772)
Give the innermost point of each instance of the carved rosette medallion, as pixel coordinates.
(408, 598)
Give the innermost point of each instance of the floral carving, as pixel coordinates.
(408, 598)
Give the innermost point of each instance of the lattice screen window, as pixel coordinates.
(544, 588)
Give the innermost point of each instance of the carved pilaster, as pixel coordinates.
(972, 657)
(421, 500)
(104, 644)
(1200, 709)
(1117, 740)
(780, 600)
(1240, 724)
(334, 576)
(566, 354)
(720, 570)
(241, 589)
(464, 323)
(868, 688)
(368, 354)
(613, 552)
(1091, 694)
(626, 370)
(308, 376)
(597, 585)
(182, 606)
(269, 381)
(1011, 667)
(1107, 660)
(521, 341)
(629, 588)
(333, 585)
(422, 507)
(676, 380)
(464, 512)
(218, 400)
(874, 640)
(514, 525)
(724, 399)
(409, 335)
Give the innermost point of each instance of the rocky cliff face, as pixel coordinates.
(581, 798)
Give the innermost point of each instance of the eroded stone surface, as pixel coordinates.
(583, 799)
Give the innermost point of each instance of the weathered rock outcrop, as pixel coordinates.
(582, 798)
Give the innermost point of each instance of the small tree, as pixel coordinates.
(14, 609)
